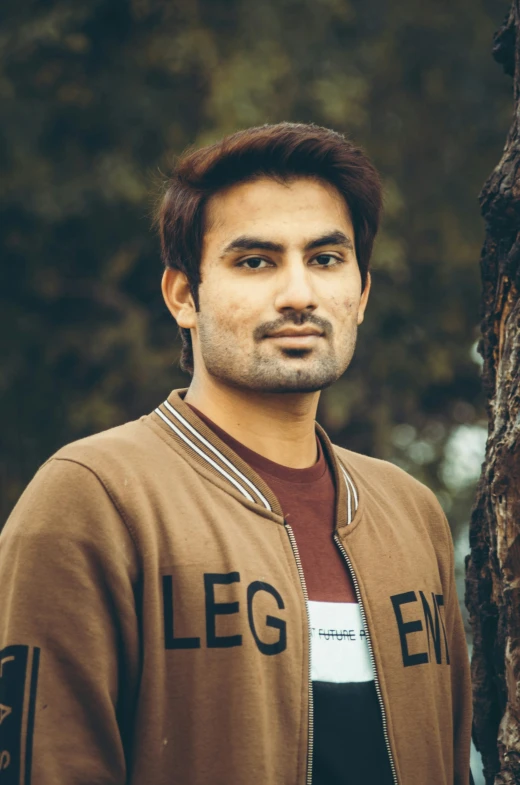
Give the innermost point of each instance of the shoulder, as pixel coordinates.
(117, 456)
(66, 512)
(389, 486)
(79, 487)
(385, 476)
(122, 442)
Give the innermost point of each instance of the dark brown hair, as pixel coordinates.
(283, 151)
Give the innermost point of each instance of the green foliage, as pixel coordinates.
(98, 97)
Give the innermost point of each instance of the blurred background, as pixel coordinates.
(99, 97)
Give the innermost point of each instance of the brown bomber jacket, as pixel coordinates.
(154, 629)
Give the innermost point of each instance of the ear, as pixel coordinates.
(364, 299)
(178, 297)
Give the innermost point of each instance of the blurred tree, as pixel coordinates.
(97, 99)
(493, 569)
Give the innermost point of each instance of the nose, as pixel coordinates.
(296, 292)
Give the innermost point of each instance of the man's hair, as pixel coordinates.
(284, 152)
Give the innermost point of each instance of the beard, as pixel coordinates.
(270, 369)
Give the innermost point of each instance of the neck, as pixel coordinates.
(279, 426)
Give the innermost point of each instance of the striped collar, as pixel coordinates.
(204, 446)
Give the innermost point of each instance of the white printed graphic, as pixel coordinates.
(339, 648)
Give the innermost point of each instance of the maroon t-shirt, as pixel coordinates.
(307, 498)
(349, 746)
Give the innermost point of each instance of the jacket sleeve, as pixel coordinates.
(68, 632)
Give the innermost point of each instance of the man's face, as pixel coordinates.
(280, 297)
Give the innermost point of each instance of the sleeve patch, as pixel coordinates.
(18, 685)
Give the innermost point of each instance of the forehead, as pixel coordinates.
(271, 209)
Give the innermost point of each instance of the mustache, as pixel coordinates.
(295, 318)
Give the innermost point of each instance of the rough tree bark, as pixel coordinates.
(493, 567)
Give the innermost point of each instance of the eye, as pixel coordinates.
(326, 260)
(253, 263)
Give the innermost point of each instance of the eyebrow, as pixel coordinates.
(334, 238)
(247, 243)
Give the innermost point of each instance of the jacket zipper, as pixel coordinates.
(371, 652)
(296, 554)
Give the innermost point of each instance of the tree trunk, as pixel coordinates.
(493, 566)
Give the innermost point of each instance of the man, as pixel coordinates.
(215, 593)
